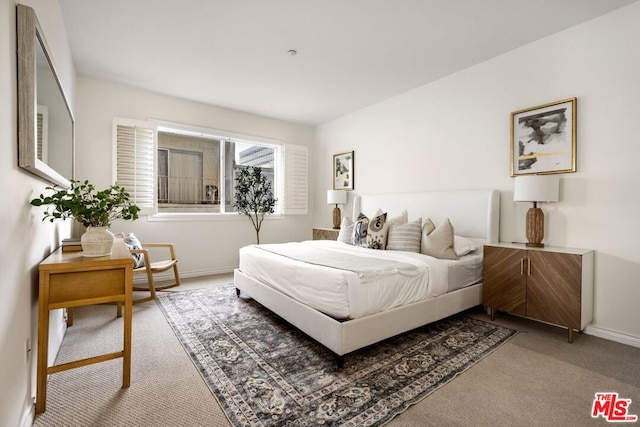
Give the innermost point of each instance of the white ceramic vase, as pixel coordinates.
(97, 241)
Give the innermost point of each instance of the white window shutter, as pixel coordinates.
(296, 160)
(135, 144)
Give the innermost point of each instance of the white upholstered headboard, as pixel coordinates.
(473, 213)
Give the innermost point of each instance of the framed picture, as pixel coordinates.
(343, 172)
(543, 139)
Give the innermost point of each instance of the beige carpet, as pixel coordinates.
(537, 378)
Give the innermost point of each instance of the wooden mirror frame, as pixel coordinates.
(28, 34)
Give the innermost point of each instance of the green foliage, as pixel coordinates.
(85, 204)
(253, 196)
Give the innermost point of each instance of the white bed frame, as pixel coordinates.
(473, 213)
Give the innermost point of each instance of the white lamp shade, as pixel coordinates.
(536, 188)
(336, 197)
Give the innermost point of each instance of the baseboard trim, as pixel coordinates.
(200, 273)
(29, 416)
(168, 275)
(610, 335)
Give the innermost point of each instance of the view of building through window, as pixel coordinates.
(191, 170)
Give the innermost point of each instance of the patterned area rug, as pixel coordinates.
(264, 372)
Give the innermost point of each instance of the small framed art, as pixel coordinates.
(543, 139)
(343, 172)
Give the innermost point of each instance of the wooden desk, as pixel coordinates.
(67, 280)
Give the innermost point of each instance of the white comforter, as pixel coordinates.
(342, 293)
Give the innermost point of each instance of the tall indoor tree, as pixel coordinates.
(254, 196)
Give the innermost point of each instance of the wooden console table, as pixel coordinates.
(67, 280)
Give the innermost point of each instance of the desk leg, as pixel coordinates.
(43, 344)
(69, 317)
(128, 313)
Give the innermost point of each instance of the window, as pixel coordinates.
(194, 170)
(180, 177)
(241, 155)
(188, 173)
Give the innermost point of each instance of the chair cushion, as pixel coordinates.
(132, 242)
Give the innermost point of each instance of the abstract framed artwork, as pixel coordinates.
(543, 139)
(343, 171)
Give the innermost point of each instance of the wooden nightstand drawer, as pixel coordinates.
(325, 234)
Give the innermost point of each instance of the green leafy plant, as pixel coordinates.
(87, 205)
(253, 196)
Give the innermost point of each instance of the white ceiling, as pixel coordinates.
(351, 53)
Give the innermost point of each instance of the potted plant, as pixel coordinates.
(253, 196)
(92, 208)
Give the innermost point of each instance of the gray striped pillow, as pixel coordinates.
(405, 237)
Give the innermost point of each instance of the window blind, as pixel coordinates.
(296, 159)
(135, 145)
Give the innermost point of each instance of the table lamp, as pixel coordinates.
(536, 188)
(336, 197)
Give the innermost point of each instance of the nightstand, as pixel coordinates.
(550, 284)
(325, 234)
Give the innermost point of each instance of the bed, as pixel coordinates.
(298, 292)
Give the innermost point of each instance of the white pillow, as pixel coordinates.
(463, 246)
(345, 235)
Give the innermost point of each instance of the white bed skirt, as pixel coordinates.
(343, 337)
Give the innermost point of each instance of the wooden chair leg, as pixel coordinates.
(152, 290)
(175, 273)
(149, 270)
(171, 285)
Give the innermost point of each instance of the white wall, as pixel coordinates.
(203, 247)
(26, 240)
(454, 134)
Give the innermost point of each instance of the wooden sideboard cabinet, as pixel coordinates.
(550, 284)
(325, 234)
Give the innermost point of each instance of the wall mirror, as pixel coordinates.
(45, 122)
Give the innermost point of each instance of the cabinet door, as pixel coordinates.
(504, 280)
(554, 288)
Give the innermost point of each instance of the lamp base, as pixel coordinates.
(336, 218)
(535, 227)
